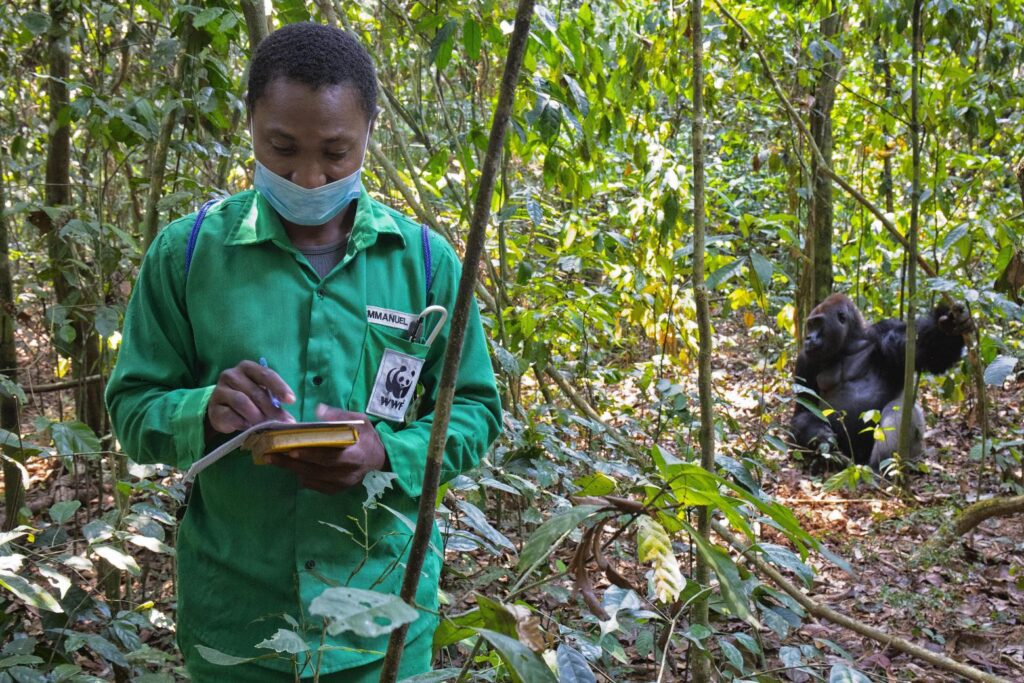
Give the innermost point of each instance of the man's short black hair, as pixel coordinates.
(316, 55)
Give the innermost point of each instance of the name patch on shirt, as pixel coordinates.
(390, 318)
(395, 386)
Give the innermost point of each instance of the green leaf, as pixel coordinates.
(441, 46)
(525, 665)
(595, 484)
(999, 369)
(365, 613)
(106, 321)
(37, 23)
(477, 520)
(578, 96)
(471, 38)
(206, 16)
(376, 482)
(18, 660)
(725, 273)
(728, 576)
(74, 438)
(841, 673)
(546, 18)
(118, 559)
(454, 629)
(29, 592)
(573, 666)
(285, 641)
(786, 558)
(763, 268)
(734, 656)
(63, 511)
(221, 658)
(11, 389)
(549, 535)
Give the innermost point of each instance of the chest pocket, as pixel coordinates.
(391, 363)
(388, 374)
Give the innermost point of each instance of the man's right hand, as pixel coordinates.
(242, 399)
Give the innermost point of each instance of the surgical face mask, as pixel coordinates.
(304, 206)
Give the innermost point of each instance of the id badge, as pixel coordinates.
(395, 386)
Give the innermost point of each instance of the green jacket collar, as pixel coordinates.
(258, 222)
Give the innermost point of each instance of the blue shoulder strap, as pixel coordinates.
(426, 256)
(194, 235)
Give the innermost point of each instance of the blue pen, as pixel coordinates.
(273, 399)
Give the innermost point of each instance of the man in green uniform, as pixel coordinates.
(309, 273)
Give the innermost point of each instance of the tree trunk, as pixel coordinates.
(701, 664)
(818, 246)
(906, 437)
(256, 22)
(14, 487)
(70, 282)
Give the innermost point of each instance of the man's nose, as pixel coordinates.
(309, 176)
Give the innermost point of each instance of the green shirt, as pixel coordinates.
(253, 545)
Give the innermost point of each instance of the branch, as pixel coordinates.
(968, 519)
(822, 612)
(453, 354)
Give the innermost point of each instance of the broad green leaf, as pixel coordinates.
(655, 546)
(471, 38)
(763, 268)
(11, 389)
(19, 646)
(150, 543)
(455, 629)
(206, 16)
(20, 660)
(37, 23)
(786, 558)
(732, 654)
(285, 641)
(365, 613)
(728, 576)
(999, 369)
(724, 274)
(117, 558)
(441, 46)
(549, 535)
(477, 520)
(106, 321)
(61, 512)
(580, 97)
(595, 484)
(74, 438)
(525, 665)
(222, 658)
(573, 666)
(375, 483)
(841, 673)
(29, 592)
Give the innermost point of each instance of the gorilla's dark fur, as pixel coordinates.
(856, 368)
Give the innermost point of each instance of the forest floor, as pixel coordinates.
(968, 603)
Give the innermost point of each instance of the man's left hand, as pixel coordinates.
(332, 470)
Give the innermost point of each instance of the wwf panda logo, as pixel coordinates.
(398, 381)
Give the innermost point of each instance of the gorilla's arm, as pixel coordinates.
(940, 340)
(808, 429)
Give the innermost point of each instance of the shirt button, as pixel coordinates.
(318, 380)
(320, 292)
(310, 564)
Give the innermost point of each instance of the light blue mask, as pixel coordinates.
(304, 206)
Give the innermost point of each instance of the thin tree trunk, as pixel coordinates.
(818, 267)
(906, 437)
(453, 354)
(158, 160)
(701, 666)
(256, 23)
(14, 487)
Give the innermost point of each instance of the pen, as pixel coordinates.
(273, 399)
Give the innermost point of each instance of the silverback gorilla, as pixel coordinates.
(855, 368)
